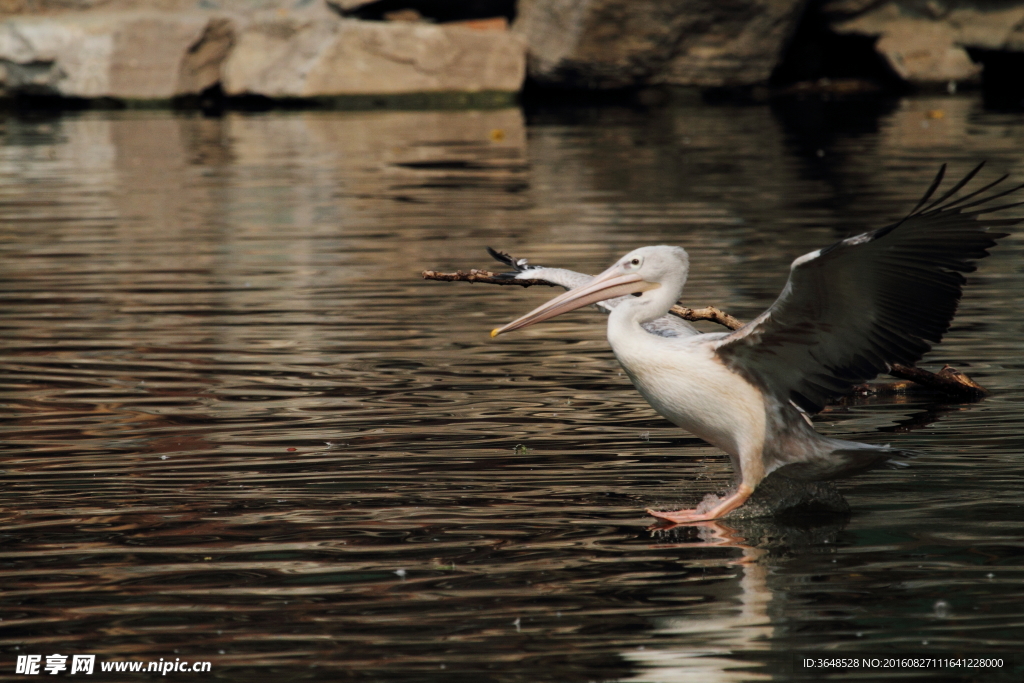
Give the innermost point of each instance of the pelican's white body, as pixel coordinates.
(687, 384)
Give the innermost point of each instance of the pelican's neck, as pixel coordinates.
(652, 304)
(625, 323)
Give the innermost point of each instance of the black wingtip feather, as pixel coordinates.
(931, 190)
(993, 209)
(501, 257)
(957, 206)
(972, 195)
(953, 190)
(989, 199)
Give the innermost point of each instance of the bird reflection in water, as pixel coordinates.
(736, 614)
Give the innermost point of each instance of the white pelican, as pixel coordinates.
(846, 313)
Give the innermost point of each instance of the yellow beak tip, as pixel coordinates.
(494, 332)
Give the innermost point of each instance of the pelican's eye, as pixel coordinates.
(635, 262)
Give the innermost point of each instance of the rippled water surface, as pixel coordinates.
(238, 427)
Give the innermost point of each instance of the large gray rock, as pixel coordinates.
(296, 56)
(928, 43)
(304, 50)
(130, 55)
(14, 7)
(623, 43)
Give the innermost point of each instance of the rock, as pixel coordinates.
(285, 52)
(403, 15)
(237, 7)
(132, 55)
(603, 44)
(297, 56)
(740, 44)
(435, 11)
(489, 24)
(932, 47)
(628, 43)
(201, 66)
(777, 495)
(848, 8)
(346, 6)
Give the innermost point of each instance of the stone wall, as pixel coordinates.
(305, 56)
(171, 48)
(162, 49)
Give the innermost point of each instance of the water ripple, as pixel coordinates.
(236, 427)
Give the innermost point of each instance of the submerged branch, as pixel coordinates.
(948, 380)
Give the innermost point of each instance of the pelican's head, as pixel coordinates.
(642, 270)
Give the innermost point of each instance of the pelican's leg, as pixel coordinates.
(725, 506)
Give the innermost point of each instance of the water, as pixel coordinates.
(239, 428)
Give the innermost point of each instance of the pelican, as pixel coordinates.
(847, 312)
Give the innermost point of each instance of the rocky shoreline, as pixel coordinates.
(483, 51)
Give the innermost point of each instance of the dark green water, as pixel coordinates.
(237, 427)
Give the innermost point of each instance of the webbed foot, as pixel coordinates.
(724, 506)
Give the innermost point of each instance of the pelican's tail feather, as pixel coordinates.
(846, 459)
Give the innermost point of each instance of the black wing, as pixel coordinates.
(850, 310)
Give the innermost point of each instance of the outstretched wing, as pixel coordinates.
(850, 310)
(569, 279)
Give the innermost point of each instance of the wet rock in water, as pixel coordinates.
(605, 44)
(927, 43)
(128, 55)
(771, 535)
(306, 56)
(777, 494)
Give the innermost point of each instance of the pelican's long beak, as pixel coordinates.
(608, 285)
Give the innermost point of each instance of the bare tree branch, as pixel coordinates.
(948, 380)
(486, 276)
(709, 313)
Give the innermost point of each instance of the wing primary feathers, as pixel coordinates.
(974, 194)
(989, 199)
(876, 299)
(519, 265)
(501, 257)
(956, 188)
(931, 190)
(882, 232)
(993, 209)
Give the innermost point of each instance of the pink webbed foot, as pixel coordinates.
(724, 506)
(681, 516)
